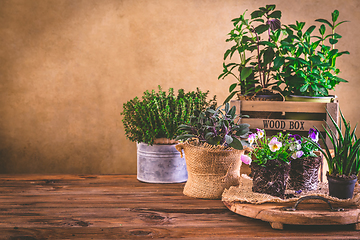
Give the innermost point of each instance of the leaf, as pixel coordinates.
(335, 15)
(324, 21)
(333, 41)
(232, 112)
(310, 30)
(228, 139)
(236, 143)
(340, 79)
(230, 96)
(268, 55)
(257, 14)
(246, 72)
(341, 23)
(270, 44)
(293, 27)
(232, 87)
(278, 62)
(275, 14)
(270, 7)
(322, 29)
(304, 87)
(208, 135)
(261, 28)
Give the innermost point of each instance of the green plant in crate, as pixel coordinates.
(260, 35)
(216, 127)
(158, 114)
(345, 161)
(305, 62)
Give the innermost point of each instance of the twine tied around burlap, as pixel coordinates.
(211, 169)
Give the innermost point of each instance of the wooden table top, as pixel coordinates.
(121, 207)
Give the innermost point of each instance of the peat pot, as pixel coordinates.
(270, 178)
(341, 188)
(160, 164)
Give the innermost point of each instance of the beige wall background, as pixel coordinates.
(67, 67)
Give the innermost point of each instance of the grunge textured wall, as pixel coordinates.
(67, 66)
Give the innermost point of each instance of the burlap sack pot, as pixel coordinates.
(211, 169)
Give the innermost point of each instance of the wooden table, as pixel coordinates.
(121, 207)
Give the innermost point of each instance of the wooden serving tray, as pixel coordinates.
(305, 213)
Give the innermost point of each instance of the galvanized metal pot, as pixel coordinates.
(160, 164)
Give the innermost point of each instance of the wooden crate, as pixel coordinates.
(283, 124)
(280, 123)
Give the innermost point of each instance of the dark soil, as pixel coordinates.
(304, 174)
(345, 177)
(270, 179)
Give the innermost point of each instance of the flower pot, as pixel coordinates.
(271, 178)
(211, 169)
(160, 164)
(304, 173)
(340, 187)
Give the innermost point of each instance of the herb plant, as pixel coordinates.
(158, 114)
(345, 160)
(306, 63)
(216, 127)
(260, 34)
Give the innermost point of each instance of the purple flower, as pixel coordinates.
(297, 154)
(296, 138)
(314, 135)
(245, 159)
(274, 24)
(274, 144)
(298, 192)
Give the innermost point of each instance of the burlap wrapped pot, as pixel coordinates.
(211, 169)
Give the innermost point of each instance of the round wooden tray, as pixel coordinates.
(302, 213)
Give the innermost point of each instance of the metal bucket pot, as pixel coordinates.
(160, 164)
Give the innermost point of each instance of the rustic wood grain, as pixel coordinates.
(272, 106)
(121, 207)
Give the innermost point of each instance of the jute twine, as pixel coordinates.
(244, 194)
(211, 169)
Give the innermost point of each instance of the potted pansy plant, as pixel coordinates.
(305, 162)
(270, 162)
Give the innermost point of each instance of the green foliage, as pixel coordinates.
(307, 62)
(216, 127)
(260, 34)
(269, 149)
(346, 146)
(272, 55)
(158, 114)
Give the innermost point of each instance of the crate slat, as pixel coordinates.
(272, 106)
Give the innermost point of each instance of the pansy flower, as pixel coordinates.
(297, 154)
(274, 144)
(252, 138)
(314, 135)
(260, 133)
(245, 159)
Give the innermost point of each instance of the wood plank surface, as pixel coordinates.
(121, 207)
